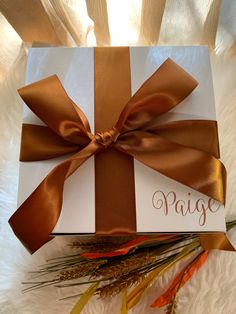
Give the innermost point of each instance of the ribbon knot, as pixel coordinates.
(107, 137)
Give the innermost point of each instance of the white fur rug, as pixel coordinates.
(210, 291)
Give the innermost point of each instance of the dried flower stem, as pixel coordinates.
(172, 306)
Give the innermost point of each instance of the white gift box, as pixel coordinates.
(154, 193)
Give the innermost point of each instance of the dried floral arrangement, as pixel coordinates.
(129, 265)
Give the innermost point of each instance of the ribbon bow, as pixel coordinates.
(186, 151)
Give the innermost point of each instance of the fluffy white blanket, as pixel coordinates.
(212, 288)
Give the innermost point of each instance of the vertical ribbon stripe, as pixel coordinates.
(114, 171)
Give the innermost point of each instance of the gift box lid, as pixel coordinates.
(162, 204)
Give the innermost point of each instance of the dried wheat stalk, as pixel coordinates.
(121, 267)
(81, 270)
(117, 286)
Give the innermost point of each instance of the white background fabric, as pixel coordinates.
(112, 22)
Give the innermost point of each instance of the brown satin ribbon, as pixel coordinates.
(114, 193)
(216, 241)
(175, 149)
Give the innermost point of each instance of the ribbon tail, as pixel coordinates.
(216, 241)
(191, 167)
(35, 219)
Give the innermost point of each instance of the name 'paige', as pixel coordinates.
(169, 202)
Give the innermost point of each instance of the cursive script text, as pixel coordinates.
(169, 201)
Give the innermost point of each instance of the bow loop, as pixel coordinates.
(161, 92)
(49, 101)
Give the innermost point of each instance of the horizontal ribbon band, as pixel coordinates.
(186, 151)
